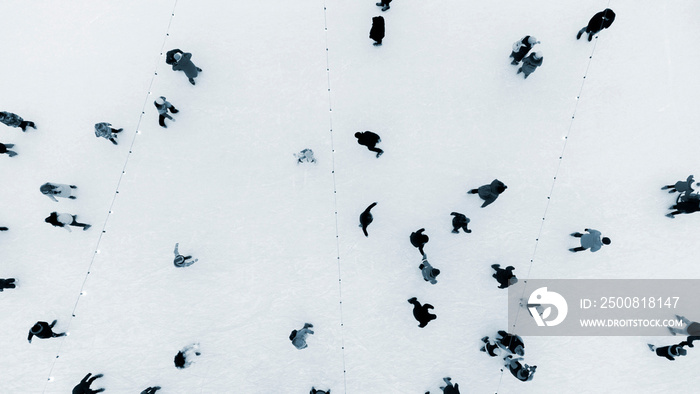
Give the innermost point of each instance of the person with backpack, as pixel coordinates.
(14, 120)
(370, 140)
(64, 220)
(163, 106)
(53, 190)
(523, 373)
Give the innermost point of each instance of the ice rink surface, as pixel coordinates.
(585, 142)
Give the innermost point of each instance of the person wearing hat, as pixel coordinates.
(43, 330)
(530, 63)
(429, 273)
(105, 130)
(182, 261)
(591, 241)
(14, 120)
(163, 106)
(65, 220)
(489, 193)
(184, 63)
(598, 22)
(521, 48)
(53, 190)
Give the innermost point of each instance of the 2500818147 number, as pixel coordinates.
(638, 302)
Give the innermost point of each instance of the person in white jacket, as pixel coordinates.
(53, 190)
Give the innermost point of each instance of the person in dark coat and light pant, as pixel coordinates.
(530, 64)
(184, 63)
(600, 21)
(64, 220)
(521, 48)
(377, 31)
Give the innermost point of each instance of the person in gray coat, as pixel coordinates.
(681, 186)
(105, 130)
(184, 63)
(298, 338)
(53, 190)
(14, 120)
(591, 241)
(182, 261)
(429, 273)
(489, 193)
(3, 149)
(163, 106)
(530, 63)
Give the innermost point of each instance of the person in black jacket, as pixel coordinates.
(43, 330)
(422, 312)
(84, 386)
(366, 218)
(4, 149)
(14, 120)
(377, 31)
(151, 390)
(669, 351)
(418, 239)
(505, 277)
(685, 203)
(370, 140)
(460, 221)
(521, 48)
(8, 283)
(600, 21)
(314, 391)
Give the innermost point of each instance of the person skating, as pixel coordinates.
(691, 327)
(151, 390)
(181, 261)
(298, 338)
(4, 148)
(14, 120)
(530, 64)
(460, 221)
(591, 240)
(384, 4)
(429, 273)
(84, 386)
(43, 330)
(377, 31)
(489, 193)
(163, 106)
(689, 340)
(183, 358)
(418, 239)
(521, 372)
(669, 352)
(504, 277)
(64, 220)
(511, 342)
(184, 63)
(521, 48)
(4, 228)
(449, 388)
(53, 190)
(370, 140)
(422, 312)
(685, 186)
(306, 155)
(8, 283)
(105, 130)
(366, 218)
(598, 22)
(685, 203)
(314, 391)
